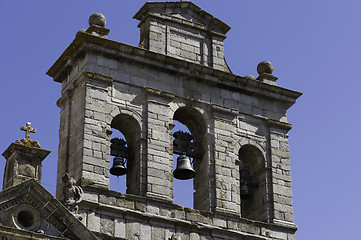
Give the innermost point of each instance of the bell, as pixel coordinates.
(244, 191)
(118, 168)
(184, 168)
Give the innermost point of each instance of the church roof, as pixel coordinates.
(38, 208)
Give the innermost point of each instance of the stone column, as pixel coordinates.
(159, 139)
(226, 170)
(281, 172)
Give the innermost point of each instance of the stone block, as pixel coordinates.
(140, 206)
(93, 222)
(278, 235)
(121, 202)
(179, 214)
(91, 197)
(160, 181)
(97, 178)
(145, 232)
(106, 225)
(165, 212)
(88, 167)
(95, 161)
(194, 215)
(132, 229)
(280, 153)
(107, 62)
(220, 222)
(158, 232)
(152, 209)
(119, 228)
(232, 225)
(249, 228)
(107, 199)
(282, 190)
(161, 190)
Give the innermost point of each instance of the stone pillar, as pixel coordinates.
(281, 172)
(23, 162)
(159, 164)
(226, 171)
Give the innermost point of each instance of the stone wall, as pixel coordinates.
(109, 213)
(191, 35)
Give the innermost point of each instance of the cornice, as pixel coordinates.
(86, 43)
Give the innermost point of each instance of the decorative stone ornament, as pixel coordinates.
(264, 67)
(26, 217)
(27, 141)
(250, 77)
(72, 194)
(97, 19)
(23, 159)
(97, 23)
(265, 70)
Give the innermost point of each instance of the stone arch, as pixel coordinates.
(194, 119)
(245, 141)
(253, 188)
(127, 123)
(119, 111)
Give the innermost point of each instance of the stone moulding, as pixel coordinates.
(282, 125)
(99, 77)
(41, 153)
(183, 22)
(207, 19)
(8, 233)
(85, 42)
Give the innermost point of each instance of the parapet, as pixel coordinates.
(182, 30)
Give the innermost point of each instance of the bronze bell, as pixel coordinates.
(245, 184)
(244, 191)
(184, 170)
(118, 168)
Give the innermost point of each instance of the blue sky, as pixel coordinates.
(314, 47)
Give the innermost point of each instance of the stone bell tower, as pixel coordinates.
(242, 183)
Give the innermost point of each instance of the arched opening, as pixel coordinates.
(125, 127)
(253, 183)
(117, 183)
(182, 189)
(193, 120)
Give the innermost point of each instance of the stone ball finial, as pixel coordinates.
(97, 19)
(264, 67)
(250, 77)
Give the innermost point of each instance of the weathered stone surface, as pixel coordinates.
(106, 225)
(23, 162)
(178, 73)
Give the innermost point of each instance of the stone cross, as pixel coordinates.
(28, 129)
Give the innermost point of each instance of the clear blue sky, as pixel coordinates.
(314, 46)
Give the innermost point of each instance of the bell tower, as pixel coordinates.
(238, 139)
